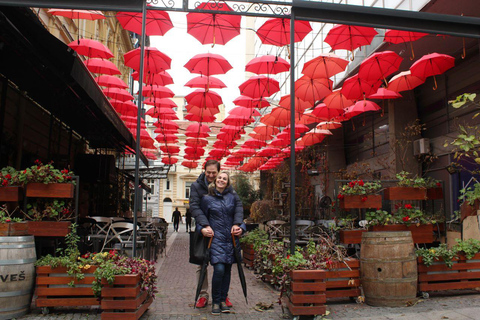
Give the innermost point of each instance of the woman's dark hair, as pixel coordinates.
(212, 162)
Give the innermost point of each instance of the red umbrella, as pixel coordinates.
(157, 22)
(197, 130)
(311, 138)
(312, 90)
(196, 110)
(282, 143)
(361, 107)
(383, 93)
(127, 110)
(254, 143)
(165, 131)
(356, 88)
(259, 86)
(77, 14)
(203, 98)
(300, 105)
(238, 120)
(379, 65)
(91, 48)
(161, 112)
(169, 160)
(196, 142)
(118, 94)
(166, 138)
(110, 81)
(276, 31)
(404, 81)
(234, 129)
(337, 100)
(245, 152)
(190, 164)
(244, 112)
(299, 128)
(161, 79)
(400, 36)
(199, 118)
(157, 92)
(349, 37)
(198, 151)
(432, 65)
(208, 64)
(267, 64)
(167, 124)
(213, 28)
(249, 102)
(224, 144)
(205, 82)
(308, 118)
(286, 135)
(279, 117)
(162, 102)
(325, 113)
(328, 125)
(268, 152)
(170, 149)
(119, 104)
(325, 65)
(266, 130)
(219, 153)
(102, 66)
(155, 61)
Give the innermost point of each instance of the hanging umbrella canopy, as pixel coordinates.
(155, 61)
(196, 142)
(308, 118)
(259, 86)
(157, 23)
(165, 131)
(431, 65)
(282, 143)
(329, 125)
(224, 144)
(192, 165)
(200, 111)
(217, 152)
(110, 81)
(326, 65)
(167, 124)
(356, 88)
(192, 157)
(203, 98)
(268, 152)
(310, 139)
(300, 105)
(199, 151)
(325, 113)
(312, 90)
(160, 112)
(161, 103)
(119, 104)
(91, 48)
(284, 135)
(118, 94)
(279, 117)
(169, 160)
(404, 81)
(299, 128)
(157, 92)
(199, 118)
(165, 138)
(78, 14)
(162, 78)
(276, 31)
(379, 65)
(244, 112)
(197, 130)
(132, 123)
(266, 130)
(254, 143)
(383, 93)
(267, 64)
(260, 136)
(102, 66)
(337, 100)
(127, 111)
(213, 28)
(169, 148)
(205, 83)
(401, 36)
(349, 37)
(237, 120)
(360, 107)
(208, 64)
(249, 102)
(230, 128)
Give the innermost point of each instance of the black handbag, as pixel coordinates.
(198, 247)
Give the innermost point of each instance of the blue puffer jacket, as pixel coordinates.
(220, 210)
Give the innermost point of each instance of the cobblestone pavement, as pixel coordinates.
(176, 284)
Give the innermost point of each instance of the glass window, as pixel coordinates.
(151, 185)
(188, 184)
(167, 184)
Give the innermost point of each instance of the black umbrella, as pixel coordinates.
(203, 271)
(241, 275)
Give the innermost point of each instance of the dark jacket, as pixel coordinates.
(197, 190)
(221, 212)
(176, 216)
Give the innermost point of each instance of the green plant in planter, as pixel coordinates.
(45, 173)
(380, 217)
(255, 237)
(359, 187)
(49, 209)
(263, 210)
(405, 180)
(468, 247)
(9, 177)
(469, 195)
(7, 217)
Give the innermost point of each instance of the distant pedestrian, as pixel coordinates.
(176, 219)
(188, 220)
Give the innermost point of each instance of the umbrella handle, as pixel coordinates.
(233, 239)
(210, 243)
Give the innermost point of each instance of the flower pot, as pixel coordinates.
(421, 234)
(435, 193)
(307, 287)
(49, 228)
(50, 190)
(359, 202)
(10, 229)
(467, 210)
(405, 193)
(11, 193)
(351, 236)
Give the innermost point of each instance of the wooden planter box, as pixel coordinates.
(343, 279)
(13, 229)
(351, 236)
(11, 193)
(50, 190)
(421, 234)
(248, 255)
(307, 296)
(405, 193)
(464, 274)
(49, 228)
(53, 290)
(355, 202)
(435, 193)
(467, 210)
(123, 299)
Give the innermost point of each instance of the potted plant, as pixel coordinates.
(408, 188)
(250, 241)
(49, 217)
(10, 186)
(348, 232)
(360, 194)
(11, 225)
(405, 218)
(470, 198)
(263, 210)
(434, 189)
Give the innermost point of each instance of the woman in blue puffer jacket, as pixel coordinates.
(218, 206)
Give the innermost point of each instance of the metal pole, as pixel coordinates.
(292, 134)
(139, 118)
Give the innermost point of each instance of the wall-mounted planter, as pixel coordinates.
(49, 228)
(50, 190)
(11, 193)
(351, 236)
(361, 202)
(467, 210)
(421, 234)
(434, 193)
(405, 193)
(13, 229)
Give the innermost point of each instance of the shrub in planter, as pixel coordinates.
(251, 242)
(263, 210)
(360, 194)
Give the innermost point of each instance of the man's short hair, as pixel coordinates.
(212, 162)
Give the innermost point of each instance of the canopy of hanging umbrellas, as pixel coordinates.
(319, 110)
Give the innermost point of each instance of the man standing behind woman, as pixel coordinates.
(223, 220)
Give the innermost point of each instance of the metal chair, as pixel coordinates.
(122, 233)
(99, 232)
(276, 229)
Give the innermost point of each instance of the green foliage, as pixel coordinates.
(404, 214)
(9, 177)
(469, 195)
(405, 180)
(254, 237)
(359, 187)
(45, 173)
(6, 216)
(245, 190)
(462, 99)
(263, 210)
(379, 217)
(49, 209)
(468, 247)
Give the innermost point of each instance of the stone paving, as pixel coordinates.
(176, 284)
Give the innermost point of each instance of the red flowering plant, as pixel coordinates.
(45, 173)
(359, 188)
(8, 217)
(9, 177)
(403, 214)
(49, 209)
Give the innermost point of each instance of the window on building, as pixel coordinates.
(188, 184)
(167, 184)
(151, 185)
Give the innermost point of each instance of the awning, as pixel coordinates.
(54, 76)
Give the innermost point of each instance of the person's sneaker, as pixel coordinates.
(201, 302)
(216, 309)
(224, 307)
(228, 303)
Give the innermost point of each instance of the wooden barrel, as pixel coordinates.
(388, 268)
(17, 275)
